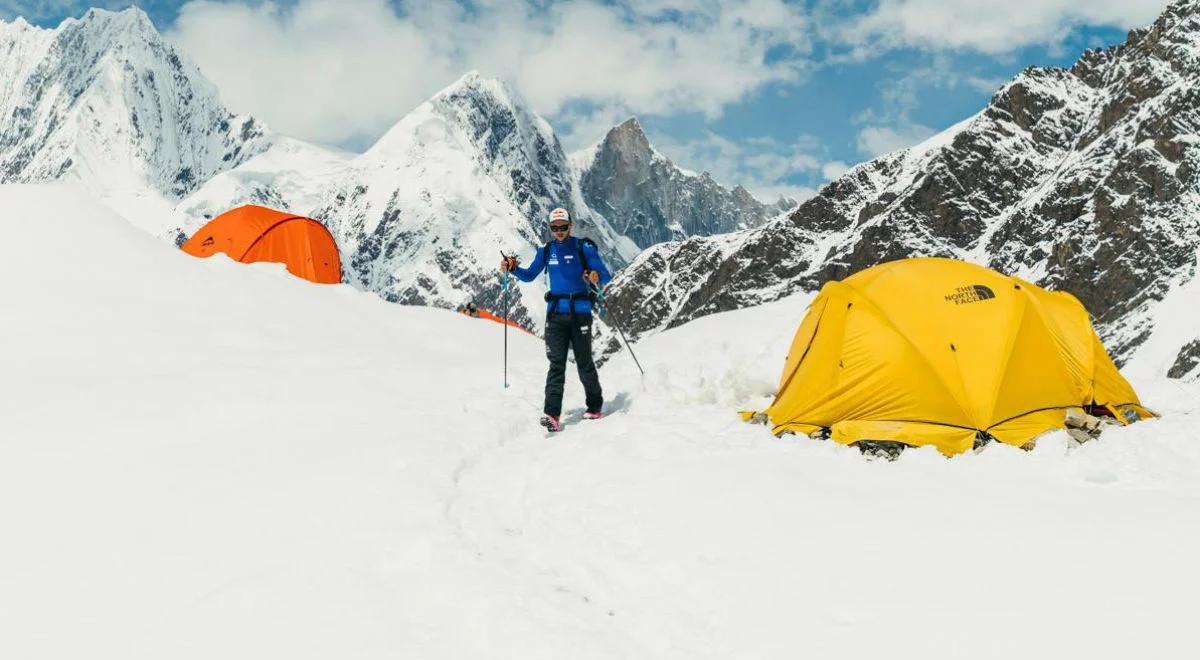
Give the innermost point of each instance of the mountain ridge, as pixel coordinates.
(105, 101)
(1076, 178)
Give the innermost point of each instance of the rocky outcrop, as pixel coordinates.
(1187, 363)
(650, 200)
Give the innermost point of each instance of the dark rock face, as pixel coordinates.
(1187, 361)
(1083, 179)
(648, 199)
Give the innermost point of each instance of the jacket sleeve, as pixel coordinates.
(534, 269)
(597, 264)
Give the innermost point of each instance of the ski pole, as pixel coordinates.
(611, 317)
(505, 289)
(506, 329)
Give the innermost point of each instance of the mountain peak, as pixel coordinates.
(473, 83)
(650, 199)
(630, 124)
(18, 23)
(132, 18)
(628, 138)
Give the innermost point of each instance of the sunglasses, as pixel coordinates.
(558, 229)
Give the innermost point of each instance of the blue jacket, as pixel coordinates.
(566, 273)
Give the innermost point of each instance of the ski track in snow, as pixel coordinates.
(220, 460)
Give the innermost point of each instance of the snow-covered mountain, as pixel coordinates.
(1084, 179)
(103, 100)
(649, 199)
(421, 217)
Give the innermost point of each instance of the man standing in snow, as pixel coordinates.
(574, 267)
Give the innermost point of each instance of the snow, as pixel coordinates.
(1176, 321)
(205, 459)
(289, 175)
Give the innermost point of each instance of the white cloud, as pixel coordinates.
(771, 194)
(342, 72)
(319, 71)
(990, 26)
(891, 126)
(765, 166)
(879, 140)
(834, 169)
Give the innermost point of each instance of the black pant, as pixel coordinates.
(574, 330)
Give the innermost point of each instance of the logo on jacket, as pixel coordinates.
(969, 294)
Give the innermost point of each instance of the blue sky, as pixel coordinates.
(779, 96)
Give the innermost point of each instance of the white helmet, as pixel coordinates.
(560, 214)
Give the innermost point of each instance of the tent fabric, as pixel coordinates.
(933, 351)
(484, 314)
(255, 233)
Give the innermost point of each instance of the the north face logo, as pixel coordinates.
(969, 294)
(208, 241)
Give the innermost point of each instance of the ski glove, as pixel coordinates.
(508, 264)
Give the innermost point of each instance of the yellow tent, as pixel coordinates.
(942, 352)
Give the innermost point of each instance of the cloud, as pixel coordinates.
(343, 72)
(336, 73)
(765, 166)
(988, 27)
(876, 141)
(891, 125)
(834, 170)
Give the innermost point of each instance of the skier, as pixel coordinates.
(574, 267)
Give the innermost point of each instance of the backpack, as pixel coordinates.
(579, 242)
(590, 295)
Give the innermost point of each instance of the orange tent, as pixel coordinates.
(484, 314)
(256, 233)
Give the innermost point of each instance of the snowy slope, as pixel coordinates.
(106, 102)
(202, 459)
(1082, 179)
